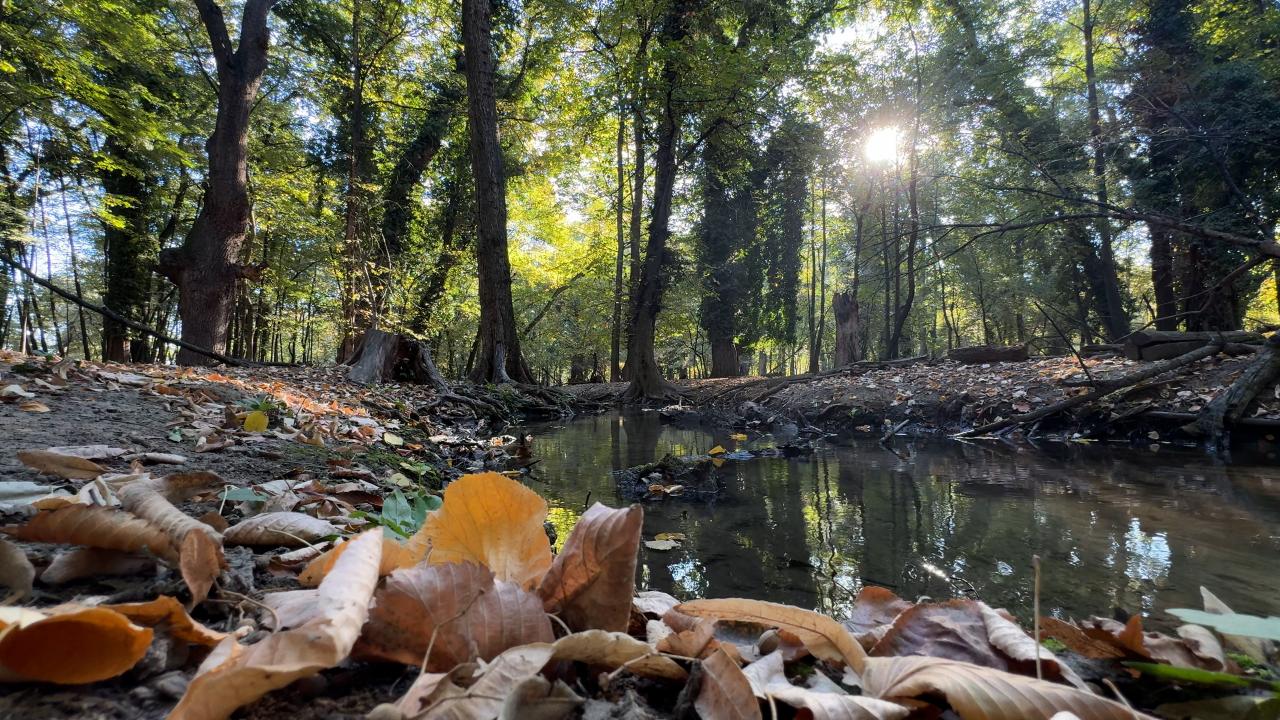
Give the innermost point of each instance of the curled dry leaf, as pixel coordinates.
(612, 650)
(167, 613)
(536, 698)
(94, 526)
(395, 555)
(290, 608)
(592, 580)
(979, 693)
(826, 639)
(725, 693)
(49, 462)
(873, 613)
(234, 675)
(72, 646)
(88, 452)
(84, 562)
(16, 572)
(469, 614)
(1078, 641)
(1202, 652)
(493, 520)
(199, 546)
(653, 602)
(17, 493)
(768, 679)
(484, 700)
(290, 529)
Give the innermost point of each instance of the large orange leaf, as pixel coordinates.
(461, 606)
(234, 675)
(493, 520)
(592, 581)
(73, 646)
(825, 638)
(95, 526)
(168, 613)
(725, 693)
(979, 693)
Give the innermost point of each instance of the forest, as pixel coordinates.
(634, 190)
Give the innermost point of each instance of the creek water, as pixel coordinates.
(1137, 529)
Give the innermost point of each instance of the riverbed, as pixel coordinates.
(1134, 529)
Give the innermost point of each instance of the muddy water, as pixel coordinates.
(1115, 528)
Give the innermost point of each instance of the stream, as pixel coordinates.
(1136, 529)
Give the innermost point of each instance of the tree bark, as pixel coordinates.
(205, 267)
(125, 244)
(615, 334)
(498, 357)
(844, 305)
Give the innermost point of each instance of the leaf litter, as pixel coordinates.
(462, 584)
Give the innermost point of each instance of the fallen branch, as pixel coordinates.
(1101, 389)
(1230, 404)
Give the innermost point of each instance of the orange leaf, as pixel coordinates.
(168, 612)
(725, 694)
(592, 580)
(94, 526)
(469, 614)
(395, 555)
(492, 520)
(71, 647)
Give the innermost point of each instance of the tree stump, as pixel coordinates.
(383, 357)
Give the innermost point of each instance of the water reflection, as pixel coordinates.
(1114, 527)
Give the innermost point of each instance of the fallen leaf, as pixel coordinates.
(291, 608)
(34, 406)
(17, 493)
(653, 602)
(15, 391)
(49, 462)
(1257, 649)
(536, 698)
(979, 693)
(592, 580)
(661, 545)
(256, 422)
(725, 693)
(461, 605)
(1078, 641)
(825, 638)
(768, 680)
(492, 520)
(88, 452)
(873, 612)
(717, 450)
(484, 700)
(738, 437)
(395, 555)
(199, 546)
(612, 650)
(273, 529)
(84, 562)
(392, 439)
(168, 613)
(94, 526)
(678, 537)
(16, 572)
(70, 646)
(234, 675)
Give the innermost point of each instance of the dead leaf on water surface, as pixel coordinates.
(84, 562)
(726, 693)
(493, 520)
(68, 466)
(717, 450)
(825, 638)
(16, 572)
(592, 580)
(94, 526)
(979, 693)
(273, 529)
(70, 646)
(661, 545)
(234, 675)
(461, 605)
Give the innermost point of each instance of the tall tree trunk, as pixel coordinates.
(718, 242)
(205, 266)
(126, 248)
(646, 378)
(498, 356)
(615, 335)
(637, 188)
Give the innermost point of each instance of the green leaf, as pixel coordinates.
(241, 494)
(1200, 677)
(1267, 628)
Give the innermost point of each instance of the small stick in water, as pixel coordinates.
(1035, 600)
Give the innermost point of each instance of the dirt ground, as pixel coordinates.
(949, 397)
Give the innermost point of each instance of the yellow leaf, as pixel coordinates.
(71, 647)
(717, 450)
(256, 421)
(392, 439)
(740, 437)
(492, 520)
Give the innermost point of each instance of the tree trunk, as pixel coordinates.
(615, 330)
(205, 267)
(637, 189)
(125, 243)
(498, 356)
(844, 305)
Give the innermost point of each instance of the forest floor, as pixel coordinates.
(950, 397)
(304, 442)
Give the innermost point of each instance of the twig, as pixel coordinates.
(276, 626)
(1066, 340)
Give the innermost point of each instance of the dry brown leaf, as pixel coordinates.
(700, 641)
(725, 693)
(94, 526)
(826, 639)
(290, 608)
(493, 520)
(469, 613)
(873, 613)
(73, 646)
(423, 692)
(612, 650)
(536, 698)
(199, 546)
(67, 466)
(768, 679)
(484, 699)
(1132, 639)
(288, 529)
(16, 572)
(592, 580)
(88, 452)
(653, 602)
(1204, 645)
(1078, 641)
(978, 693)
(234, 675)
(395, 555)
(168, 613)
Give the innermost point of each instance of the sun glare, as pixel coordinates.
(881, 146)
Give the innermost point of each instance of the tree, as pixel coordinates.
(206, 266)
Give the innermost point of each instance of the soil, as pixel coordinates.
(944, 397)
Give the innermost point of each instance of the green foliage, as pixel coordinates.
(404, 515)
